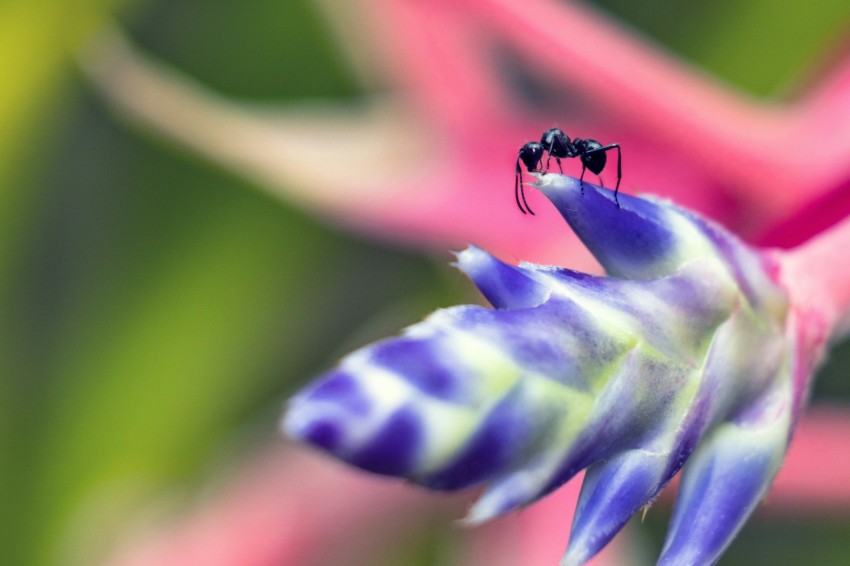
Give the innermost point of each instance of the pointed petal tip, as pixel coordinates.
(477, 515)
(612, 492)
(575, 556)
(468, 257)
(724, 481)
(472, 519)
(504, 285)
(496, 500)
(480, 512)
(638, 238)
(555, 182)
(512, 491)
(288, 424)
(555, 185)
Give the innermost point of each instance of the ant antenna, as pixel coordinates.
(519, 190)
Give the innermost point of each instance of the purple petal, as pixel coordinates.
(631, 240)
(611, 493)
(752, 271)
(505, 286)
(724, 481)
(560, 339)
(393, 449)
(695, 294)
(495, 444)
(423, 364)
(331, 415)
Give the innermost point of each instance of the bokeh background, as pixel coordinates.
(157, 309)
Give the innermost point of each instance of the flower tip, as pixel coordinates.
(471, 520)
(299, 425)
(467, 258)
(324, 413)
(476, 263)
(321, 433)
(555, 182)
(479, 514)
(504, 285)
(575, 556)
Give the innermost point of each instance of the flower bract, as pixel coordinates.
(678, 358)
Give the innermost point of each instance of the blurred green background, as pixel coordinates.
(158, 309)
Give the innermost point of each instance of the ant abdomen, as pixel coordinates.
(555, 143)
(591, 157)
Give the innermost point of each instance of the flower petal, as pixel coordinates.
(638, 239)
(611, 493)
(726, 478)
(684, 355)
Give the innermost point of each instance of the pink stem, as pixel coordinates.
(623, 73)
(436, 55)
(817, 276)
(815, 490)
(818, 283)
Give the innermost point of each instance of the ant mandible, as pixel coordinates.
(557, 144)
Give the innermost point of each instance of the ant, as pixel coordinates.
(557, 144)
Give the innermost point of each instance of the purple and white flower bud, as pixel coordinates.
(678, 358)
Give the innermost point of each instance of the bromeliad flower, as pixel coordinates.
(690, 351)
(728, 151)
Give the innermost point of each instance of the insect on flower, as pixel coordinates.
(558, 145)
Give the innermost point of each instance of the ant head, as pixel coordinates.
(531, 154)
(557, 143)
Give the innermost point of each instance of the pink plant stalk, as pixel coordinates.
(412, 166)
(820, 287)
(288, 506)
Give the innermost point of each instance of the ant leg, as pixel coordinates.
(619, 174)
(619, 167)
(581, 179)
(558, 159)
(522, 192)
(549, 154)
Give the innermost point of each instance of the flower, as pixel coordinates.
(726, 150)
(682, 354)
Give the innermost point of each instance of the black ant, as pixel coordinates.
(558, 145)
